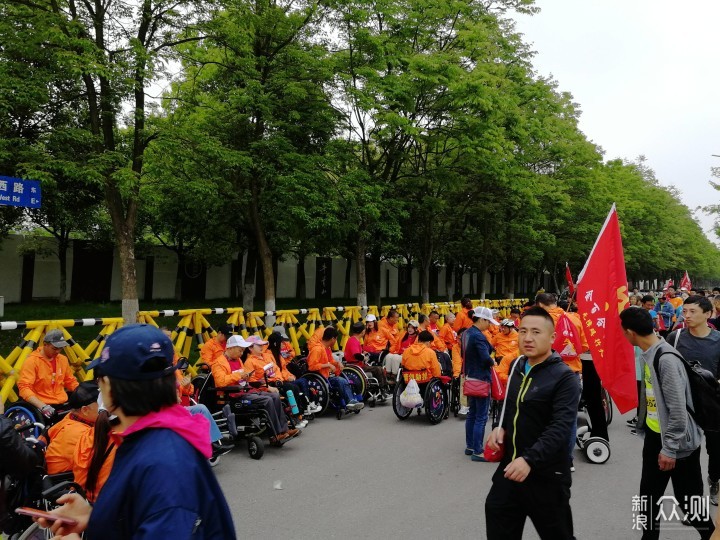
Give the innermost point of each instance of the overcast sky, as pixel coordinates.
(646, 74)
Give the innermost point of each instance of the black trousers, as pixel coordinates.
(546, 503)
(686, 479)
(592, 395)
(712, 446)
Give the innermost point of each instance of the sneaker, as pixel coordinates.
(355, 405)
(313, 408)
(632, 422)
(213, 461)
(478, 457)
(468, 451)
(572, 468)
(292, 432)
(464, 411)
(714, 488)
(302, 424)
(219, 449)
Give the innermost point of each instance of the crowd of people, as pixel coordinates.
(135, 428)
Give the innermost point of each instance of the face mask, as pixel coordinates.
(101, 405)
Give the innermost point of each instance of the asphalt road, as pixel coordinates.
(374, 476)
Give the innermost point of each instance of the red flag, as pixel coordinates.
(602, 295)
(568, 277)
(685, 282)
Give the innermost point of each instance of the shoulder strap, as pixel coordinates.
(656, 365)
(677, 338)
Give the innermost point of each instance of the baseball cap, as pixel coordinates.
(414, 323)
(85, 394)
(484, 313)
(256, 340)
(56, 339)
(129, 350)
(281, 330)
(237, 341)
(507, 322)
(370, 318)
(225, 329)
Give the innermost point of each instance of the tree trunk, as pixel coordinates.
(425, 282)
(407, 284)
(248, 300)
(362, 298)
(374, 291)
(62, 257)
(264, 252)
(126, 248)
(300, 288)
(449, 271)
(509, 281)
(481, 279)
(348, 270)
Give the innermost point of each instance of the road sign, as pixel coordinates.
(18, 192)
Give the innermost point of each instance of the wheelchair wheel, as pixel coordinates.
(435, 401)
(256, 448)
(356, 376)
(401, 412)
(607, 406)
(597, 450)
(319, 390)
(22, 413)
(205, 393)
(34, 532)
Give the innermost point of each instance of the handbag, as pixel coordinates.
(497, 390)
(476, 388)
(488, 453)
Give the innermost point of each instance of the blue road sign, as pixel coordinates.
(17, 192)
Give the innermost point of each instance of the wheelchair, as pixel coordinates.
(23, 414)
(434, 391)
(365, 384)
(235, 416)
(322, 394)
(454, 396)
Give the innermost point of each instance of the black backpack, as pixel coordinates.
(704, 388)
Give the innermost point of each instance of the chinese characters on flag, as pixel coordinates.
(601, 295)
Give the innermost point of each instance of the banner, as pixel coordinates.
(602, 294)
(569, 279)
(685, 282)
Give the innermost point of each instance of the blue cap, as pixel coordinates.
(128, 350)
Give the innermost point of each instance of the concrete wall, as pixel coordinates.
(10, 269)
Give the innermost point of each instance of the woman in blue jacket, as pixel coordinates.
(477, 364)
(161, 485)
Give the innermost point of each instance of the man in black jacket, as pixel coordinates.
(533, 479)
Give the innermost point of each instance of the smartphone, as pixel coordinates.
(34, 512)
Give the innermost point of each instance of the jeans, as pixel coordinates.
(573, 431)
(203, 410)
(475, 423)
(343, 387)
(687, 482)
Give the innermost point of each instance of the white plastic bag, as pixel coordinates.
(410, 397)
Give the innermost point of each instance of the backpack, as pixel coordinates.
(704, 388)
(567, 341)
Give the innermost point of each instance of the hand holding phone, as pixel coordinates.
(48, 516)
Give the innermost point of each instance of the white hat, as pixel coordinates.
(484, 313)
(414, 323)
(370, 318)
(237, 341)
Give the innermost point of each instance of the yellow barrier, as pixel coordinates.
(193, 326)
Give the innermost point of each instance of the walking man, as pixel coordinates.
(533, 479)
(672, 438)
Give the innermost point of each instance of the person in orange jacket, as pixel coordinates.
(64, 435)
(463, 320)
(548, 302)
(410, 337)
(420, 362)
(45, 376)
(507, 348)
(214, 348)
(228, 370)
(265, 373)
(433, 319)
(447, 333)
(94, 456)
(437, 344)
(321, 361)
(316, 339)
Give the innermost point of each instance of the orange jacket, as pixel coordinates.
(503, 369)
(210, 351)
(64, 437)
(419, 357)
(448, 335)
(386, 334)
(462, 320)
(676, 302)
(37, 380)
(456, 360)
(187, 390)
(222, 373)
(287, 351)
(81, 463)
(257, 364)
(316, 338)
(575, 364)
(437, 343)
(506, 345)
(319, 356)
